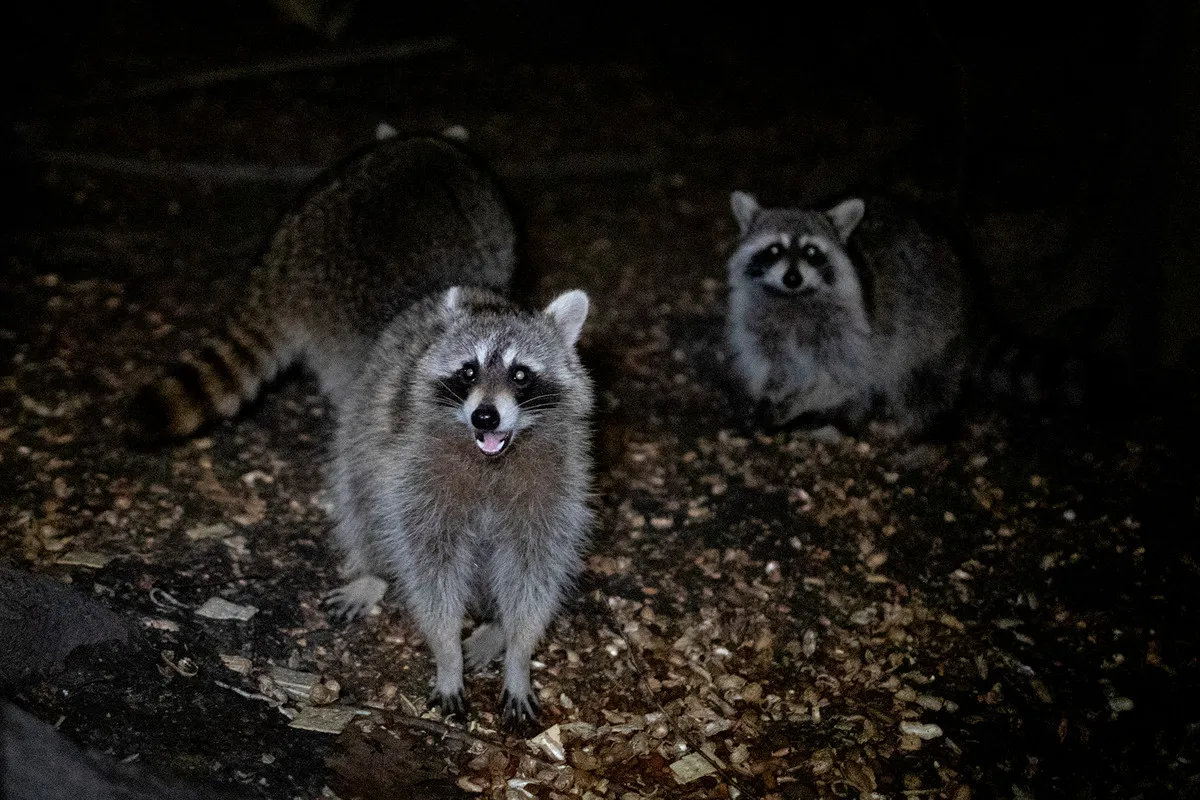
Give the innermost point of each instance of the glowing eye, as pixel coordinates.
(812, 254)
(764, 259)
(520, 376)
(467, 373)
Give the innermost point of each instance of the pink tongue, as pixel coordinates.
(492, 443)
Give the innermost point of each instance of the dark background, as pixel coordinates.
(1028, 106)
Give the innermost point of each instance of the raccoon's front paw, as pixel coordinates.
(520, 714)
(356, 598)
(451, 705)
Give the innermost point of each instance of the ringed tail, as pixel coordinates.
(1036, 374)
(212, 384)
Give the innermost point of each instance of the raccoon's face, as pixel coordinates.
(498, 371)
(795, 253)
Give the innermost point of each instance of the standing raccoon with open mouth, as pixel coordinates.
(462, 474)
(461, 462)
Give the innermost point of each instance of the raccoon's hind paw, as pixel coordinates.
(451, 705)
(356, 598)
(483, 646)
(519, 715)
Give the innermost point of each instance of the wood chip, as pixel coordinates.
(323, 719)
(218, 530)
(83, 558)
(550, 742)
(219, 608)
(922, 730)
(298, 685)
(691, 767)
(467, 785)
(238, 664)
(159, 624)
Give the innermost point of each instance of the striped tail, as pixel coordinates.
(1049, 377)
(205, 387)
(1034, 374)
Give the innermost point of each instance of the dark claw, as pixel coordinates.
(453, 705)
(519, 715)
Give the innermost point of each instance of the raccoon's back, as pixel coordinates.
(914, 285)
(385, 227)
(402, 219)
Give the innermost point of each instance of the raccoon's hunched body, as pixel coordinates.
(835, 312)
(462, 474)
(461, 461)
(404, 218)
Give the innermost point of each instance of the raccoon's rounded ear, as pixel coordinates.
(569, 310)
(846, 215)
(745, 208)
(452, 299)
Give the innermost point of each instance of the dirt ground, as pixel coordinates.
(762, 616)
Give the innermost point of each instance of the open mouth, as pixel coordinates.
(493, 443)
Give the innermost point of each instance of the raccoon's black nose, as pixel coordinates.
(792, 278)
(485, 418)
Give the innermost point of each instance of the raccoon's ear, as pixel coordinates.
(745, 208)
(569, 310)
(452, 299)
(846, 215)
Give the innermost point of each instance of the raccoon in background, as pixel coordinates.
(462, 467)
(839, 312)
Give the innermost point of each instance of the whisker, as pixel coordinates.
(544, 398)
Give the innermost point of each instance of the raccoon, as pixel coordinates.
(399, 220)
(461, 474)
(461, 458)
(840, 312)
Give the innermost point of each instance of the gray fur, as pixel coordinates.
(839, 334)
(387, 276)
(455, 530)
(404, 218)
(409, 217)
